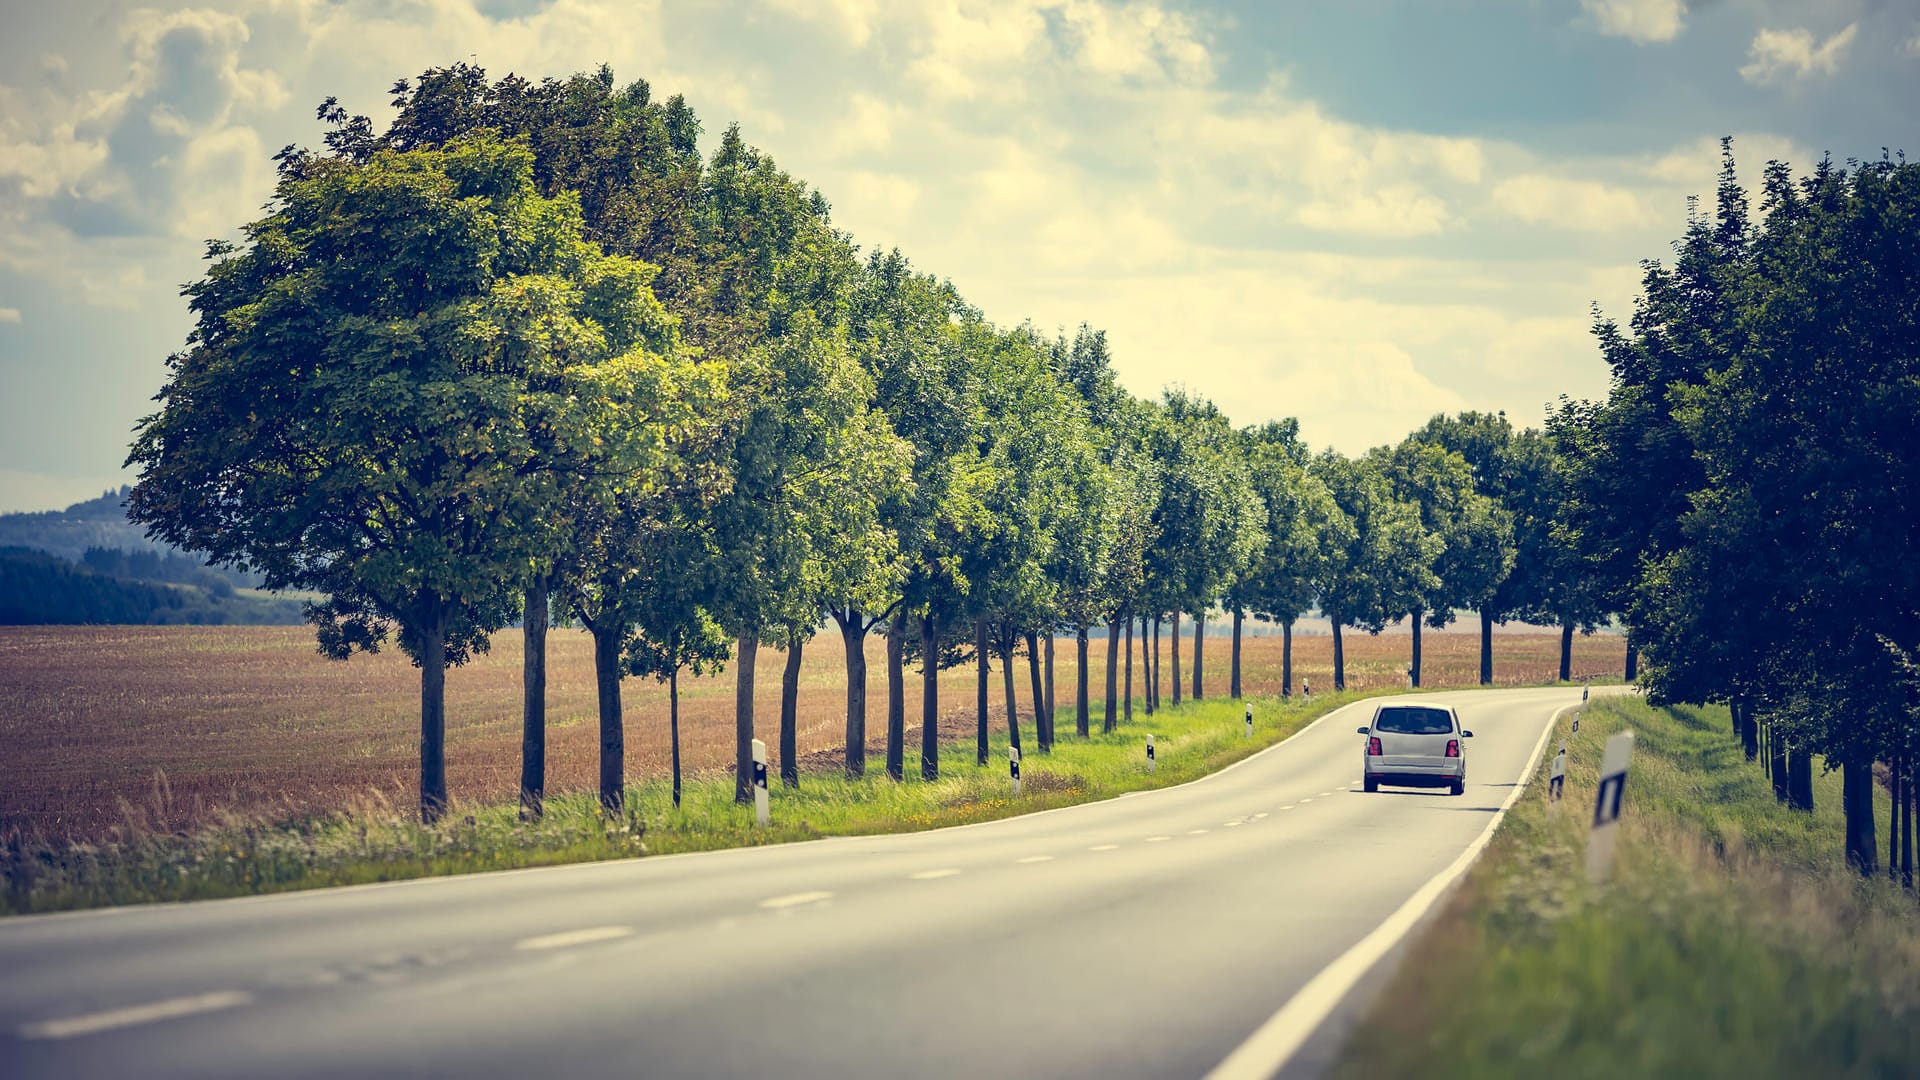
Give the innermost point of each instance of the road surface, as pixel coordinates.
(1148, 936)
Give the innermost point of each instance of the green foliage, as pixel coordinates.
(1386, 561)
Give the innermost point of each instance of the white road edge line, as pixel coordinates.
(170, 1009)
(795, 899)
(1269, 1048)
(567, 938)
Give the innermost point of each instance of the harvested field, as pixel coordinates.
(167, 727)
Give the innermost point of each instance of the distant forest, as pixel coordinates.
(88, 564)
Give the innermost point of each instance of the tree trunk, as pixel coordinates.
(1800, 781)
(1081, 725)
(1238, 617)
(980, 650)
(1413, 664)
(1894, 817)
(1749, 730)
(1339, 658)
(1110, 717)
(433, 719)
(1050, 713)
(1013, 706)
(749, 651)
(1127, 699)
(1857, 803)
(929, 697)
(1042, 738)
(1286, 658)
(673, 727)
(533, 709)
(613, 736)
(853, 634)
(1174, 638)
(1566, 652)
(1906, 822)
(1153, 682)
(1486, 647)
(1199, 656)
(1633, 660)
(897, 695)
(790, 713)
(1779, 774)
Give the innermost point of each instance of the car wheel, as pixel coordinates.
(1369, 784)
(1459, 787)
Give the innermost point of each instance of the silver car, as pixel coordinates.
(1415, 746)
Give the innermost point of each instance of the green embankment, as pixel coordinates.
(1733, 940)
(379, 843)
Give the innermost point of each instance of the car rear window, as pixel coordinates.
(1403, 720)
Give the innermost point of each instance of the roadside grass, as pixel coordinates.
(378, 841)
(1732, 941)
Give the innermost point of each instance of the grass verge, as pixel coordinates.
(378, 842)
(1732, 940)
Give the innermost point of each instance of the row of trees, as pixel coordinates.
(1746, 492)
(527, 353)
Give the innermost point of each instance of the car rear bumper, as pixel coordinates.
(1425, 772)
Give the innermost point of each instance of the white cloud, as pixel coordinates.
(1912, 47)
(1583, 205)
(1642, 21)
(9, 315)
(1792, 54)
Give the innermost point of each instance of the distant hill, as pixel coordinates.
(89, 564)
(38, 589)
(92, 532)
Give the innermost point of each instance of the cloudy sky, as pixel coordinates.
(1357, 212)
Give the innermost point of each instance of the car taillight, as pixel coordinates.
(1453, 747)
(1373, 747)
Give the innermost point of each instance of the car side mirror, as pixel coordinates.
(1466, 734)
(1361, 731)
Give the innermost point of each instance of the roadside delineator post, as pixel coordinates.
(762, 814)
(1149, 753)
(1606, 806)
(1013, 767)
(1249, 719)
(1558, 778)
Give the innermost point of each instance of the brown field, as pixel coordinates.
(167, 727)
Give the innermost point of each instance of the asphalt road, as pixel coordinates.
(1147, 936)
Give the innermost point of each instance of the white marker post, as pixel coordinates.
(1584, 691)
(1606, 806)
(1149, 753)
(761, 813)
(1557, 779)
(1013, 767)
(1249, 719)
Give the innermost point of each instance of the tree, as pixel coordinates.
(1474, 534)
(386, 386)
(1386, 560)
(1303, 525)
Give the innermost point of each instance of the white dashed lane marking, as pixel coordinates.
(1035, 858)
(1231, 824)
(1104, 847)
(170, 1009)
(1196, 832)
(568, 938)
(1157, 839)
(795, 899)
(930, 875)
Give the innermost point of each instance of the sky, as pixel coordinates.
(1354, 212)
